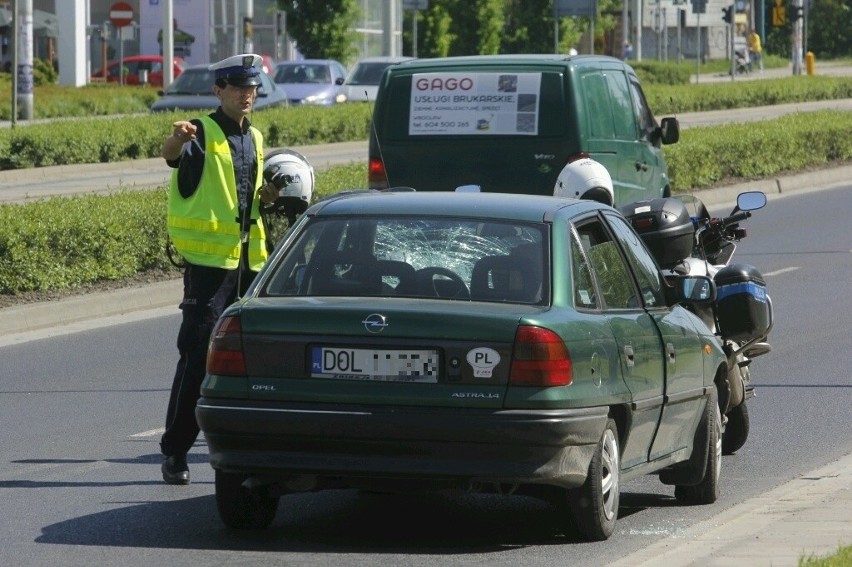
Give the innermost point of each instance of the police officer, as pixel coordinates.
(215, 225)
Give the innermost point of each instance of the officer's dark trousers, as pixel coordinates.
(206, 293)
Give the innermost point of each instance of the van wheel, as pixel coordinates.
(241, 508)
(594, 505)
(707, 491)
(736, 430)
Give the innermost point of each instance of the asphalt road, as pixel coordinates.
(82, 413)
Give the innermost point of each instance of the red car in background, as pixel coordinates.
(139, 70)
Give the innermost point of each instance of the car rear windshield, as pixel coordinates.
(459, 259)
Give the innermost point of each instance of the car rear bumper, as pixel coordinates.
(320, 442)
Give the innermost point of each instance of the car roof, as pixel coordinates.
(384, 59)
(534, 58)
(307, 62)
(494, 206)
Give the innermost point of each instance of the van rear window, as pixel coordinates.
(475, 104)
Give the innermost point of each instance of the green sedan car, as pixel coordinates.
(515, 344)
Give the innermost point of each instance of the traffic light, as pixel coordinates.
(798, 13)
(728, 14)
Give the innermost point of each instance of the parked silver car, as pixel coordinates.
(312, 81)
(362, 83)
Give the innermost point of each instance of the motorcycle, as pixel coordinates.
(686, 240)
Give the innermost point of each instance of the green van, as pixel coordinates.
(510, 123)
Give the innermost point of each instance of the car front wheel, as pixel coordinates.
(241, 508)
(594, 505)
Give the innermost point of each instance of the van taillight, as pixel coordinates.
(225, 355)
(376, 174)
(539, 359)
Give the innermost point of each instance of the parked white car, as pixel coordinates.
(362, 82)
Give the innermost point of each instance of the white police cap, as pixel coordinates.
(240, 70)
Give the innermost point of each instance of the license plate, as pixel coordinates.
(381, 365)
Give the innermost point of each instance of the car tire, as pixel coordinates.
(707, 491)
(736, 430)
(241, 508)
(594, 505)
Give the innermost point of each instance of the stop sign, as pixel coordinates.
(120, 14)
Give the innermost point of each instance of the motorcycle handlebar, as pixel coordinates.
(734, 219)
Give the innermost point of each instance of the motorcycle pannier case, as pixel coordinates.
(665, 226)
(742, 306)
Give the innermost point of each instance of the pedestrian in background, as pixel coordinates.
(755, 50)
(215, 225)
(627, 51)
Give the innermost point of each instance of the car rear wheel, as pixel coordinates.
(241, 508)
(736, 430)
(594, 505)
(707, 491)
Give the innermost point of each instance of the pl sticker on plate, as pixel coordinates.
(483, 360)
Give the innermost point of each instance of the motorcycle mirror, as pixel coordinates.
(751, 200)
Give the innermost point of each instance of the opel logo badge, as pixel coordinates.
(375, 323)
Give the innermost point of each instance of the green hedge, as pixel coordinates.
(711, 155)
(69, 242)
(102, 140)
(673, 99)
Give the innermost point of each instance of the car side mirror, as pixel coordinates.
(690, 289)
(339, 81)
(669, 130)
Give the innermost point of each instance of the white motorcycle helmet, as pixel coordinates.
(291, 173)
(585, 179)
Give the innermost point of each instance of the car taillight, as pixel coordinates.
(376, 174)
(225, 355)
(539, 359)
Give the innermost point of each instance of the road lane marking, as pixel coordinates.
(150, 432)
(781, 271)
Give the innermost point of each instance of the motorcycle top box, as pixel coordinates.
(742, 306)
(665, 226)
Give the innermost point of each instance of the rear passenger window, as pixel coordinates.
(612, 275)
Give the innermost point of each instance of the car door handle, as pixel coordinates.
(628, 355)
(641, 166)
(670, 351)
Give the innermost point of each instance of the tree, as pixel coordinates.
(477, 26)
(529, 28)
(323, 29)
(829, 22)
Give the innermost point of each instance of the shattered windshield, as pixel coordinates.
(463, 259)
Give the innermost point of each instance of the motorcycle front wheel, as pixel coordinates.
(736, 430)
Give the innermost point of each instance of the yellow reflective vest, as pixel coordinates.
(204, 227)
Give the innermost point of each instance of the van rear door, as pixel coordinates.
(504, 129)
